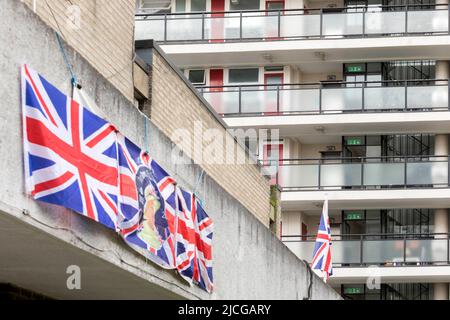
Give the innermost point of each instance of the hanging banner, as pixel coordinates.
(70, 153)
(76, 159)
(147, 204)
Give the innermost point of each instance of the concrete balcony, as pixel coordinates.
(267, 25)
(397, 32)
(393, 257)
(338, 108)
(351, 183)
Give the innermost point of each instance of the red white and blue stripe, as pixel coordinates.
(70, 153)
(322, 249)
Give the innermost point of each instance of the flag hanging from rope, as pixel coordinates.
(322, 249)
(147, 210)
(76, 159)
(194, 237)
(69, 152)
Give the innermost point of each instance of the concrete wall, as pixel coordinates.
(101, 30)
(249, 262)
(177, 106)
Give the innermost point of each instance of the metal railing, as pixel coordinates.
(389, 172)
(329, 97)
(378, 249)
(293, 24)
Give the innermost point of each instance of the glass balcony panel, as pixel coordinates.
(226, 27)
(224, 102)
(385, 22)
(341, 99)
(260, 26)
(384, 174)
(340, 175)
(185, 27)
(383, 251)
(299, 25)
(258, 101)
(345, 252)
(298, 176)
(379, 98)
(428, 21)
(428, 97)
(302, 249)
(150, 28)
(419, 173)
(299, 100)
(341, 24)
(426, 250)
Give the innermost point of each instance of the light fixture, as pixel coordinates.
(319, 129)
(268, 57)
(320, 55)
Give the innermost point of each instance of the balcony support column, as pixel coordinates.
(442, 70)
(441, 145)
(441, 222)
(441, 291)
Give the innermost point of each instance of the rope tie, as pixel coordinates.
(196, 187)
(73, 79)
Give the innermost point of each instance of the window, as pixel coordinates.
(275, 5)
(197, 77)
(180, 6)
(237, 5)
(198, 5)
(250, 75)
(152, 6)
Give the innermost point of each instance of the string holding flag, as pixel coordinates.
(76, 159)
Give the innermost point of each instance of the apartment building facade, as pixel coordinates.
(359, 93)
(47, 248)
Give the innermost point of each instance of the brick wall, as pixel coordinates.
(103, 34)
(174, 106)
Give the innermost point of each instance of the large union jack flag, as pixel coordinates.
(322, 249)
(194, 241)
(70, 153)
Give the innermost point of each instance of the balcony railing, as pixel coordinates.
(294, 23)
(331, 97)
(394, 172)
(378, 249)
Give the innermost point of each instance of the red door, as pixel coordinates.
(216, 79)
(217, 24)
(273, 157)
(304, 232)
(273, 99)
(272, 32)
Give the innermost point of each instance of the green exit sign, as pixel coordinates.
(354, 216)
(354, 141)
(353, 290)
(354, 69)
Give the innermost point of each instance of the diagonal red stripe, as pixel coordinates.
(41, 100)
(52, 183)
(100, 136)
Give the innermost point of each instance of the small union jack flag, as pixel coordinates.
(322, 249)
(70, 153)
(194, 241)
